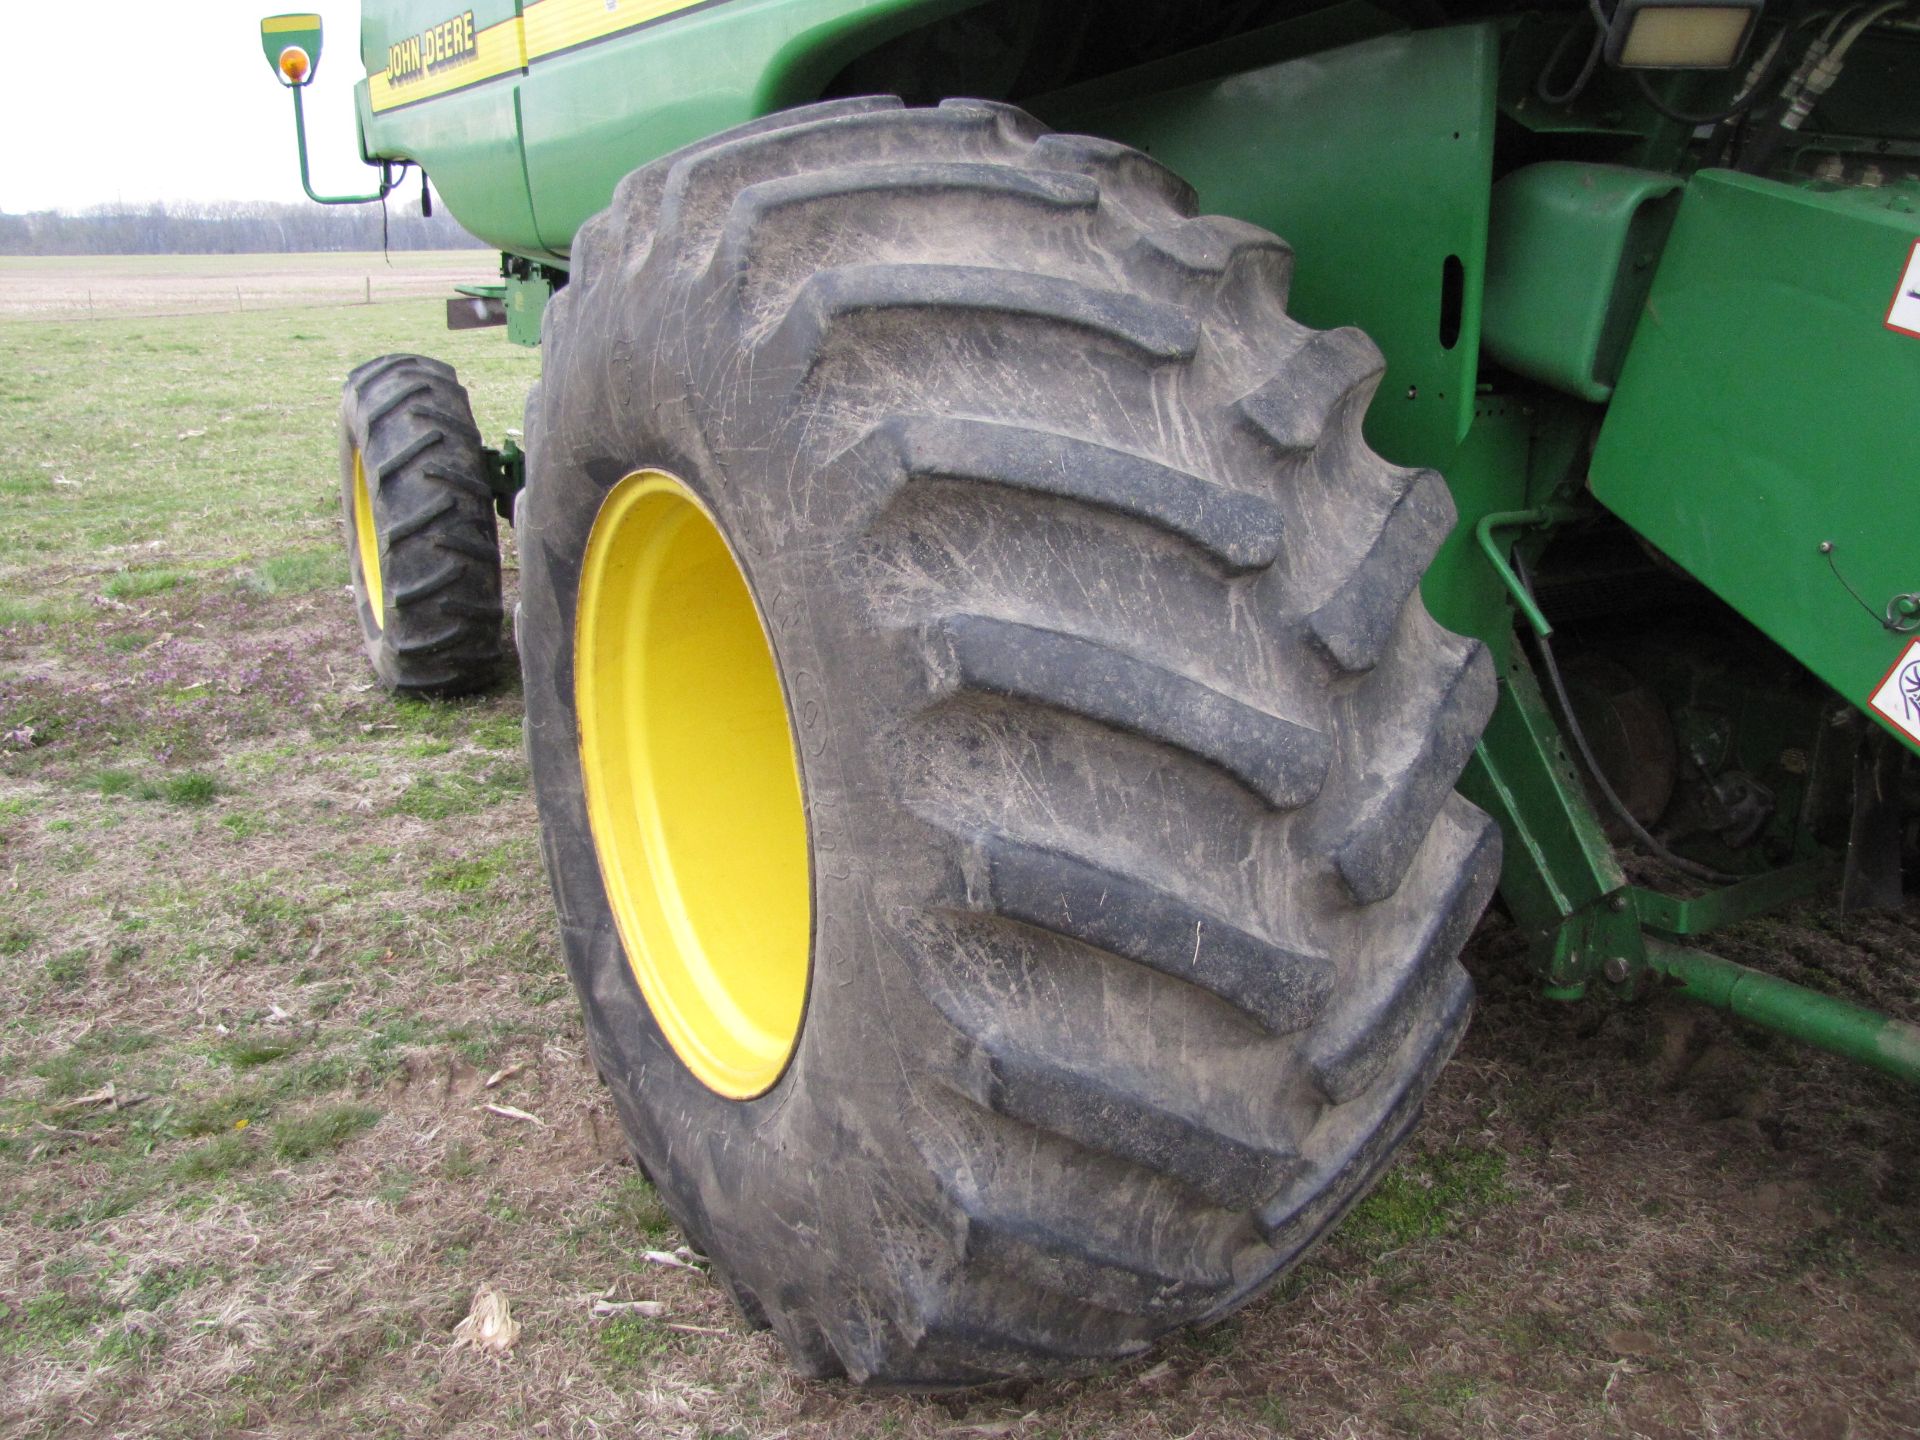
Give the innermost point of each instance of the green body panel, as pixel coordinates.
(701, 73)
(1671, 916)
(470, 143)
(1561, 230)
(1765, 410)
(1374, 162)
(1559, 877)
(524, 158)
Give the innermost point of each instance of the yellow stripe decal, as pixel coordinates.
(449, 56)
(280, 24)
(554, 25)
(452, 55)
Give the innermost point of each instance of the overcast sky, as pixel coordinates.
(197, 116)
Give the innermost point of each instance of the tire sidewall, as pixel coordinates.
(354, 437)
(858, 988)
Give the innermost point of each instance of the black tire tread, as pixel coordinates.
(410, 418)
(1277, 989)
(1282, 762)
(1240, 532)
(834, 300)
(1356, 788)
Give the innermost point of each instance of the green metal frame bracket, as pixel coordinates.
(1560, 879)
(529, 286)
(389, 169)
(1836, 1026)
(1715, 910)
(1543, 517)
(506, 473)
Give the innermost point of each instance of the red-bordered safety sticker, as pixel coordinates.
(1904, 314)
(1898, 695)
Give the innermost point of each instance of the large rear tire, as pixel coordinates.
(422, 542)
(1125, 748)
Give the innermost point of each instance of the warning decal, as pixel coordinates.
(1898, 697)
(1904, 315)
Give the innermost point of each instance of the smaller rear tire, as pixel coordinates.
(423, 544)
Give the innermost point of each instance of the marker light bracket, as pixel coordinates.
(281, 34)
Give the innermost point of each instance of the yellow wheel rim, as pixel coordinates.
(367, 542)
(692, 784)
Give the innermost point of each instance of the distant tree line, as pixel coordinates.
(238, 227)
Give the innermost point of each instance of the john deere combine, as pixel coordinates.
(996, 749)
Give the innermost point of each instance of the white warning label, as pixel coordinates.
(1898, 696)
(1904, 314)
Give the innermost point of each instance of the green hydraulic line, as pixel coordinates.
(1866, 1036)
(387, 181)
(1536, 519)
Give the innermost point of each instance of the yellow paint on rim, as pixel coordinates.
(367, 543)
(692, 784)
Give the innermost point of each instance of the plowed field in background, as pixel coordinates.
(100, 287)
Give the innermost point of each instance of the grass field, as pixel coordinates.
(265, 935)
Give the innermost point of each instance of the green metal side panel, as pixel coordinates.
(1374, 162)
(469, 142)
(699, 73)
(1570, 255)
(523, 155)
(468, 139)
(1766, 409)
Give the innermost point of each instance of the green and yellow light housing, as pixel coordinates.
(1680, 34)
(292, 45)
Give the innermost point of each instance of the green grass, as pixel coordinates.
(303, 1137)
(298, 572)
(1424, 1196)
(190, 789)
(67, 969)
(20, 610)
(113, 1040)
(215, 1160)
(635, 1209)
(219, 1113)
(138, 584)
(464, 876)
(441, 797)
(248, 1053)
(49, 1322)
(70, 1074)
(630, 1343)
(115, 782)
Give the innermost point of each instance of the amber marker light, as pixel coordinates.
(295, 65)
